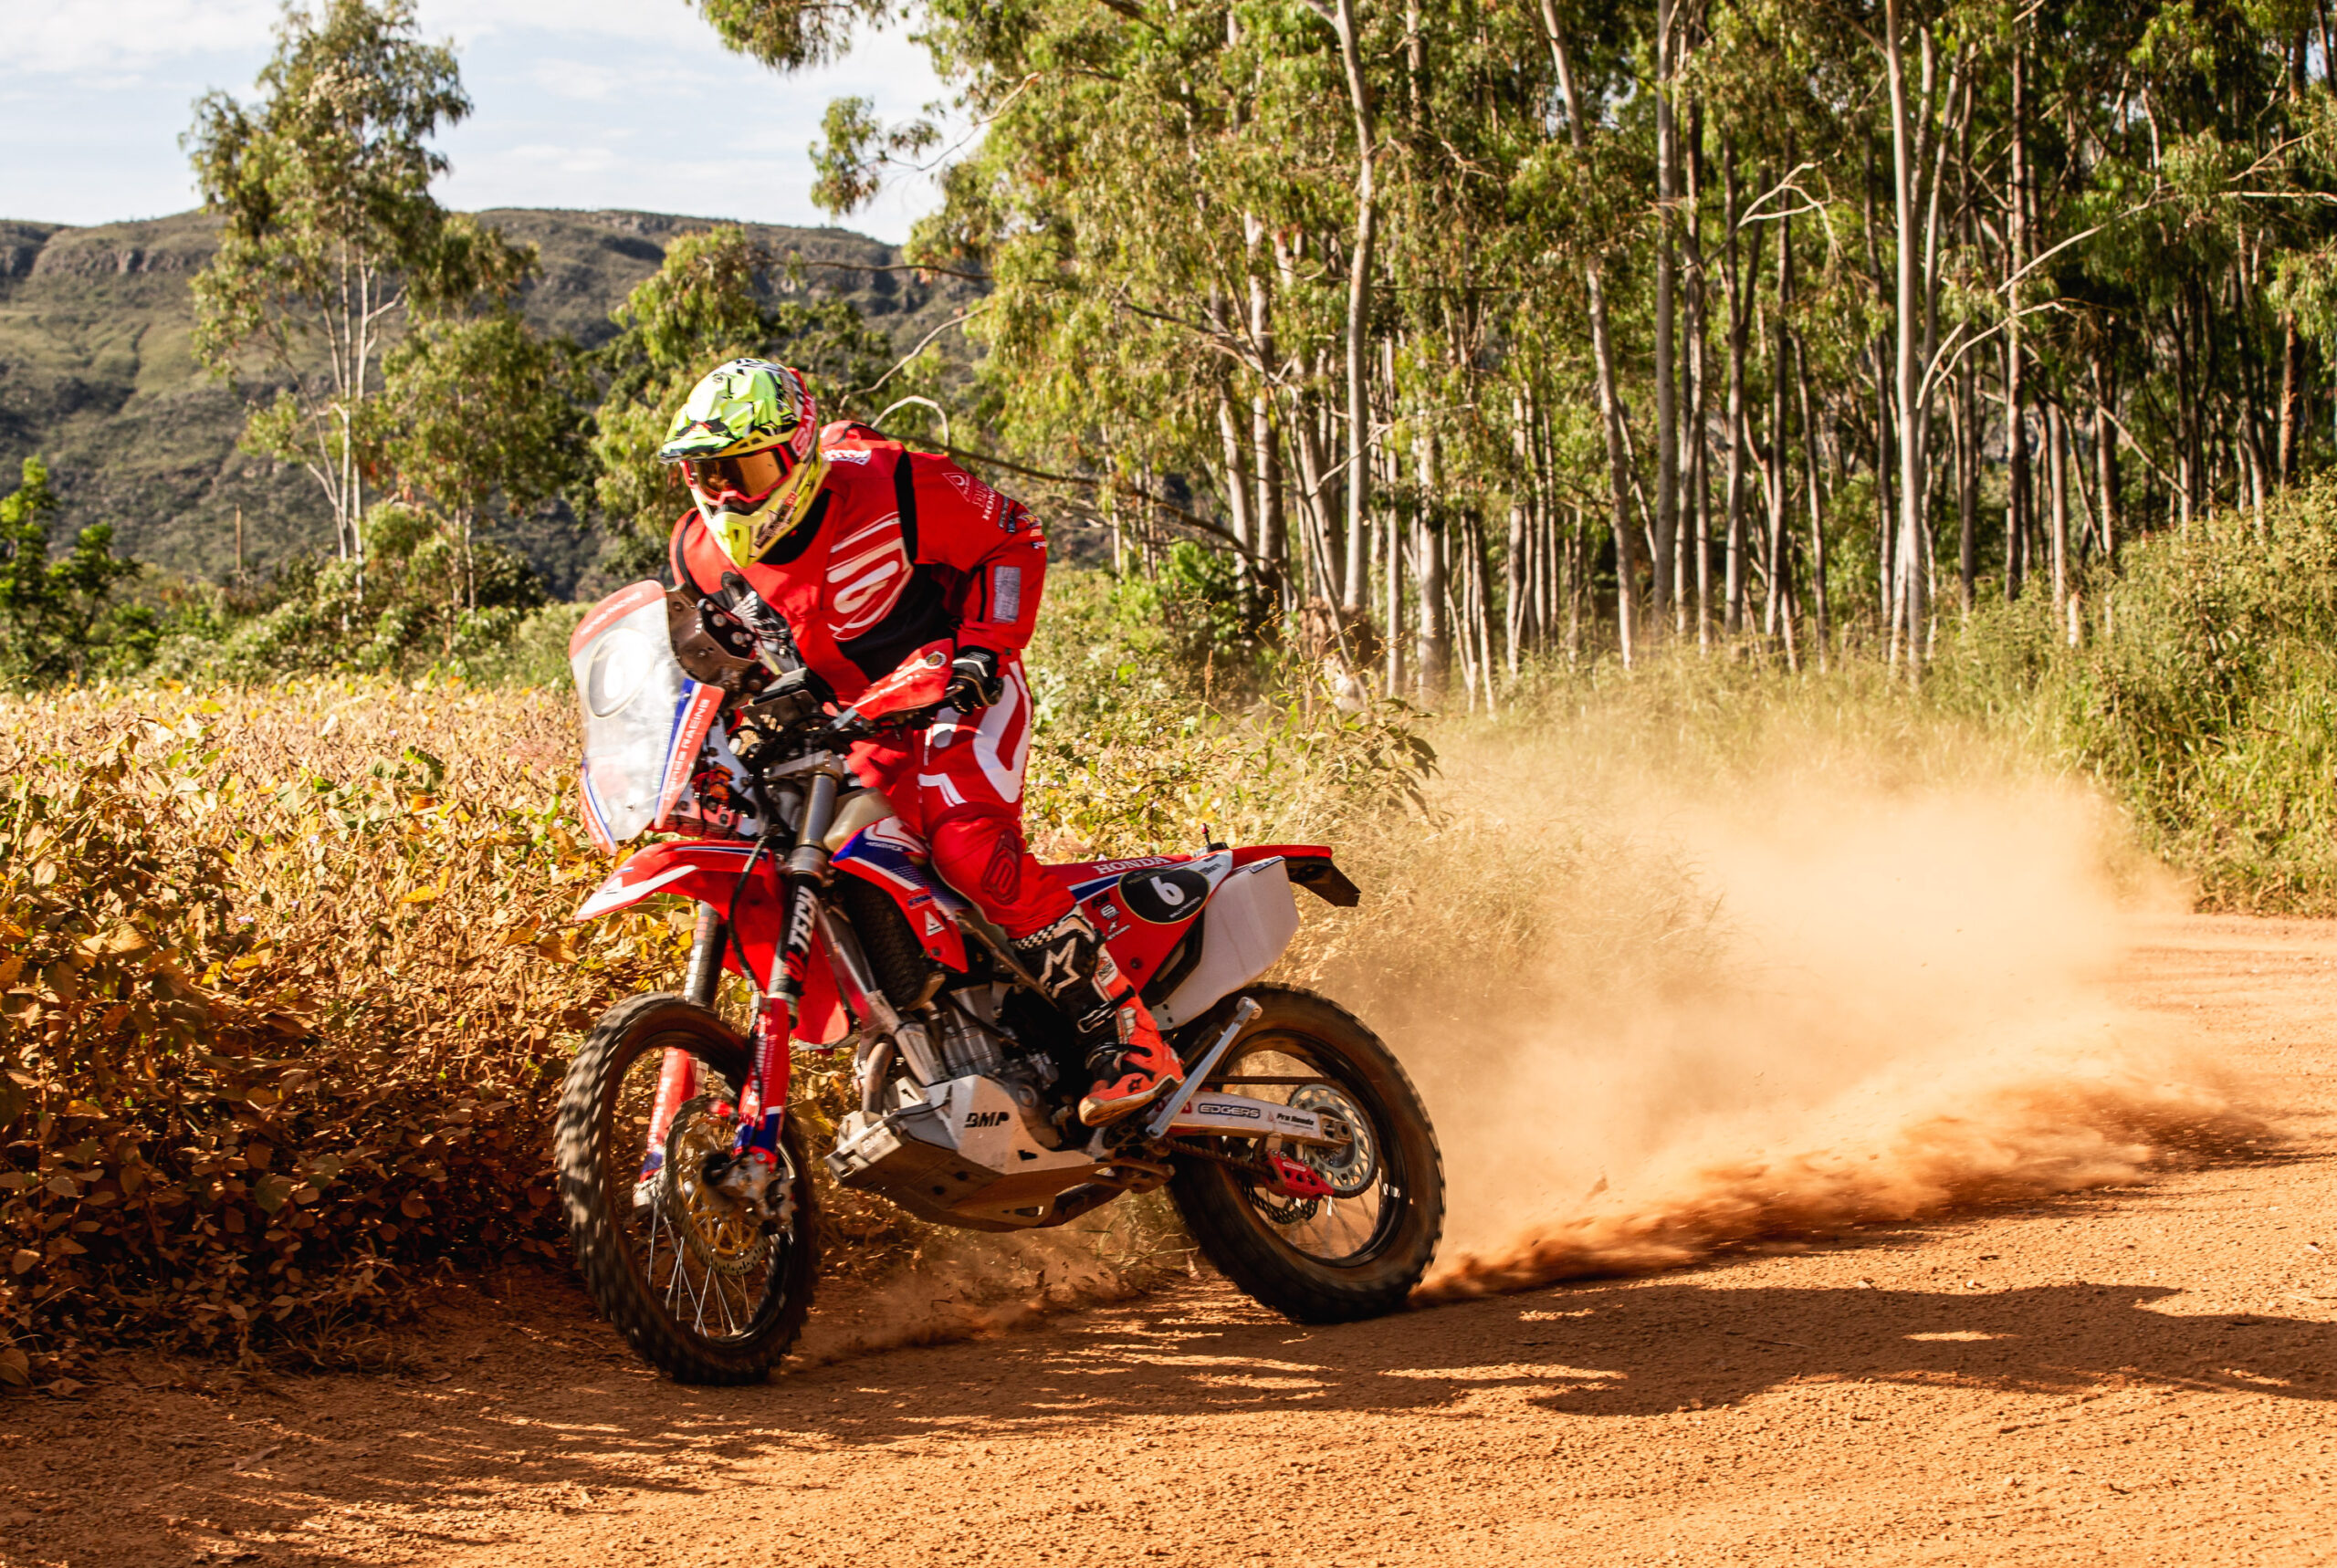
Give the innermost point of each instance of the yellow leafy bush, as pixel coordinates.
(288, 985)
(287, 997)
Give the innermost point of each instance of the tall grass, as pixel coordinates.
(2200, 693)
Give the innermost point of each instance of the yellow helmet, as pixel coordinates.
(747, 441)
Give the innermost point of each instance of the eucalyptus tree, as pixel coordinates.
(1666, 286)
(480, 407)
(329, 233)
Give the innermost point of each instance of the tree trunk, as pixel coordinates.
(1514, 563)
(1272, 542)
(2057, 482)
(2105, 465)
(1666, 426)
(2291, 398)
(1602, 349)
(1433, 653)
(1912, 302)
(1779, 606)
(1359, 324)
(1967, 488)
(1238, 494)
(1733, 280)
(2016, 409)
(1697, 511)
(1818, 619)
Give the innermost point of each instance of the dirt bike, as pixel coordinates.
(1296, 1151)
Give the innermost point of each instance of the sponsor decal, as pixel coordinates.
(868, 570)
(1005, 592)
(1058, 971)
(1102, 867)
(859, 455)
(799, 931)
(932, 926)
(1164, 896)
(1213, 1108)
(693, 718)
(979, 496)
(985, 1118)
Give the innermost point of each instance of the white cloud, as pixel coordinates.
(582, 103)
(84, 37)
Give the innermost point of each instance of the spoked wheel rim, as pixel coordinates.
(1366, 1207)
(706, 1257)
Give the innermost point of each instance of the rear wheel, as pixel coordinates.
(1358, 1252)
(710, 1287)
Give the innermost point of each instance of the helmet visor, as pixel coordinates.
(746, 476)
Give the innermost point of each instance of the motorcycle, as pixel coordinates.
(1296, 1150)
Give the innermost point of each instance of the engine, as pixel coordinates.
(980, 1149)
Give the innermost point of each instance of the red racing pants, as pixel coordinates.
(960, 786)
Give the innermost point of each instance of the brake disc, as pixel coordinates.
(724, 1233)
(1349, 1171)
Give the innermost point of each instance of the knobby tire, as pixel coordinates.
(1225, 1221)
(598, 1161)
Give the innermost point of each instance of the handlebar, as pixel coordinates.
(850, 725)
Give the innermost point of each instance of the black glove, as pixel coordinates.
(765, 623)
(974, 681)
(773, 643)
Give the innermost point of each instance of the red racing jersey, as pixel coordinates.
(900, 550)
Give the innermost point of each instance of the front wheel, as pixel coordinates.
(708, 1286)
(1358, 1252)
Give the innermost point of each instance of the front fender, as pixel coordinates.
(708, 871)
(703, 870)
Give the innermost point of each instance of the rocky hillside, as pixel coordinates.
(97, 372)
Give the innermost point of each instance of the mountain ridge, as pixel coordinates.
(99, 376)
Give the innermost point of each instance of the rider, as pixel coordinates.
(872, 553)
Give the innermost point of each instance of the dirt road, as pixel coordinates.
(2143, 1376)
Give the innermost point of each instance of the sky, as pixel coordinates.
(577, 103)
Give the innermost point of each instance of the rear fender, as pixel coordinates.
(1311, 867)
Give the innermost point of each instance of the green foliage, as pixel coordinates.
(60, 620)
(789, 34)
(482, 406)
(428, 598)
(1134, 747)
(478, 408)
(850, 159)
(703, 305)
(1213, 624)
(2204, 694)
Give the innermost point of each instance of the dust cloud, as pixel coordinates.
(1770, 1009)
(965, 1285)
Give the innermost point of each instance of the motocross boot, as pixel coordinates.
(1132, 1066)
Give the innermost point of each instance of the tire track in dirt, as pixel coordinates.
(2136, 1375)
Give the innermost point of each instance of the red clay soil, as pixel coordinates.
(2143, 1376)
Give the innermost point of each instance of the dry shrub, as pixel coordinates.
(287, 1000)
(289, 990)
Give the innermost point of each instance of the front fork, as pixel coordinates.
(762, 1105)
(768, 1075)
(677, 1074)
